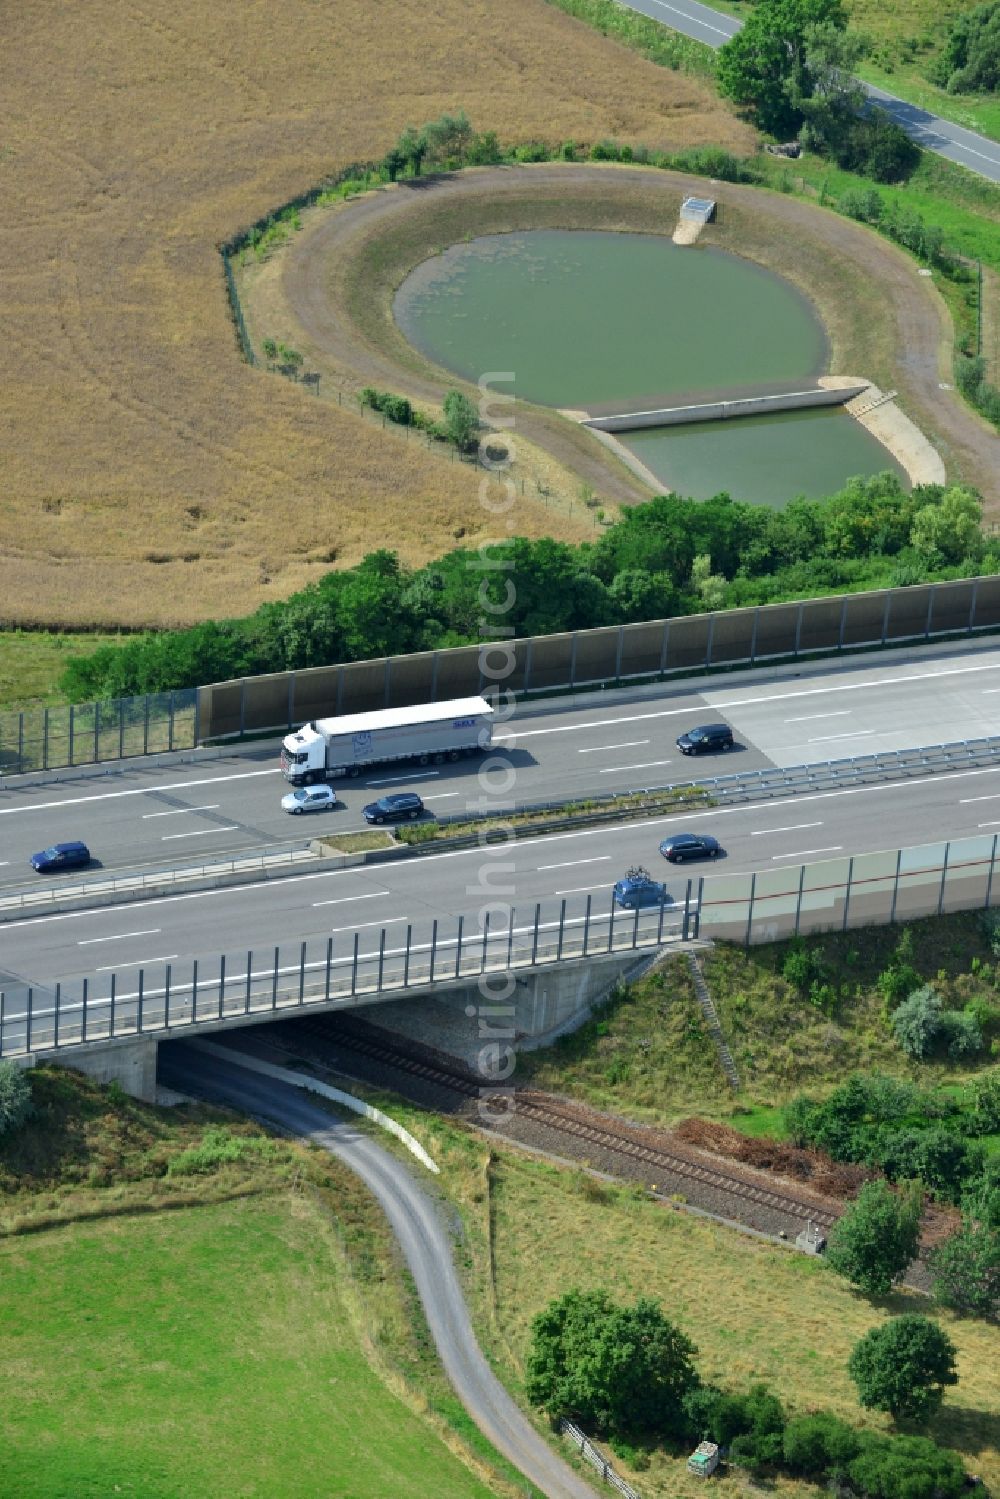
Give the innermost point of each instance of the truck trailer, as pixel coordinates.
(330, 747)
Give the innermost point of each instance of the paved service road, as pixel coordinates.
(417, 1225)
(604, 742)
(965, 147)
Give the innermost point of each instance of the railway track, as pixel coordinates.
(609, 1136)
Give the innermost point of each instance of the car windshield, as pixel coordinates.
(50, 853)
(696, 734)
(299, 796)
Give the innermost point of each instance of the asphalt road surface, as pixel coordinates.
(417, 1225)
(976, 152)
(151, 817)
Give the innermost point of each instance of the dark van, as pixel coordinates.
(706, 739)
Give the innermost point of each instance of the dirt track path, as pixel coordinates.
(915, 316)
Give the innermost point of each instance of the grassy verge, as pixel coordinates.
(647, 37)
(356, 843)
(32, 661)
(755, 1311)
(648, 1054)
(331, 1333)
(979, 112)
(616, 808)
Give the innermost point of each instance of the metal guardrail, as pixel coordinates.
(41, 896)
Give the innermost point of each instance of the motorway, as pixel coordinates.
(976, 152)
(149, 818)
(866, 704)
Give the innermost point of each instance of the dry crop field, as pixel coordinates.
(149, 475)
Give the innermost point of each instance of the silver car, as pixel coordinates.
(310, 799)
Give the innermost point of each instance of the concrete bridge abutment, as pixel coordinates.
(131, 1064)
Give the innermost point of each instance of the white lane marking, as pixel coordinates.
(600, 748)
(989, 824)
(693, 20)
(988, 690)
(574, 863)
(611, 770)
(4, 863)
(179, 811)
(108, 796)
(441, 796)
(152, 931)
(463, 853)
(805, 853)
(371, 895)
(753, 702)
(794, 828)
(579, 889)
(415, 776)
(856, 734)
(200, 833)
(136, 963)
(359, 926)
(964, 801)
(809, 717)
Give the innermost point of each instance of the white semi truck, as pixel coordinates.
(345, 746)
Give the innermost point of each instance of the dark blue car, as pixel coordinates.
(638, 888)
(61, 856)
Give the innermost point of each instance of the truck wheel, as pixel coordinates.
(424, 760)
(309, 777)
(453, 754)
(439, 759)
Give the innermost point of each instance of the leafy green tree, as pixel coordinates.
(394, 161)
(916, 1023)
(636, 594)
(615, 1369)
(448, 139)
(15, 1097)
(876, 1238)
(905, 1467)
(710, 587)
(903, 1366)
(412, 147)
(766, 65)
(819, 1446)
(966, 1270)
(970, 62)
(461, 420)
(949, 531)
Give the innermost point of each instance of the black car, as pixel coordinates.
(706, 738)
(690, 846)
(396, 808)
(61, 856)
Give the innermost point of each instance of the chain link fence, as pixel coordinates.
(91, 733)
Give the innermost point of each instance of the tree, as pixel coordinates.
(916, 1023)
(766, 65)
(448, 138)
(970, 62)
(905, 1467)
(617, 1370)
(966, 1270)
(819, 1445)
(903, 1367)
(461, 420)
(15, 1097)
(875, 1240)
(710, 587)
(950, 530)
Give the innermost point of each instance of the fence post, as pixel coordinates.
(388, 682)
(406, 957)
(972, 604)
(97, 732)
(194, 992)
(58, 991)
(528, 655)
(3, 1023)
(121, 728)
(989, 877)
(709, 642)
(944, 876)
(246, 1000)
(114, 992)
(798, 901)
(354, 966)
(843, 624)
(687, 916)
(145, 724)
(20, 743)
(486, 938)
(664, 646)
(166, 997)
(798, 627)
(458, 946)
(697, 914)
(302, 974)
(170, 722)
(72, 714)
(139, 1009)
(895, 887)
(510, 936)
(562, 924)
(586, 924)
(45, 740)
(381, 956)
(329, 966)
(274, 979)
(31, 1014)
(618, 653)
(611, 924)
(930, 613)
(753, 635)
(434, 943)
(572, 661)
(222, 985)
(534, 940)
(434, 677)
(753, 887)
(847, 893)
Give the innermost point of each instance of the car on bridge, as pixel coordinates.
(309, 799)
(681, 846)
(61, 856)
(638, 889)
(400, 807)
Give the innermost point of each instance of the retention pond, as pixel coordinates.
(583, 320)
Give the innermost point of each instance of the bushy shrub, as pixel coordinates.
(15, 1097)
(966, 1270)
(876, 1238)
(819, 1446)
(961, 1034)
(916, 1023)
(218, 1147)
(905, 1468)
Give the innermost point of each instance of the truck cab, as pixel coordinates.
(303, 756)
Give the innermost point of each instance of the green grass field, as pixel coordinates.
(31, 663)
(199, 1352)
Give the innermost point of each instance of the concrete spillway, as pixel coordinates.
(713, 411)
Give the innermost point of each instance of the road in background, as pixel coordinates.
(151, 818)
(975, 152)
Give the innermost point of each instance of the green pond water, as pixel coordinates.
(767, 460)
(583, 318)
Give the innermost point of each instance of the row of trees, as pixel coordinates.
(629, 1373)
(670, 556)
(970, 61)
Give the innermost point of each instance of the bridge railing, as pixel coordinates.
(166, 997)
